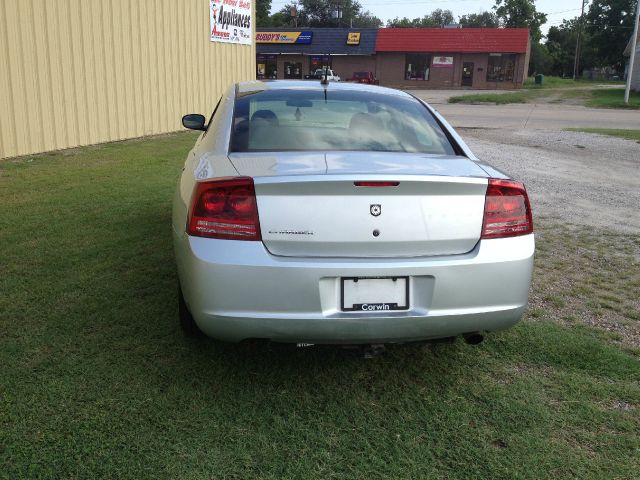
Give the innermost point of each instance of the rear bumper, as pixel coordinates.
(237, 290)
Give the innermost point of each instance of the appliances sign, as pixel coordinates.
(230, 21)
(300, 38)
(443, 61)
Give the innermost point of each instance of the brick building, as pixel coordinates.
(484, 58)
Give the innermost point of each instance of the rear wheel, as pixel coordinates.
(187, 323)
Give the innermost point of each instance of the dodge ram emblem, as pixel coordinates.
(375, 210)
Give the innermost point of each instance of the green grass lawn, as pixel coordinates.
(98, 382)
(558, 90)
(558, 82)
(613, 132)
(613, 98)
(495, 98)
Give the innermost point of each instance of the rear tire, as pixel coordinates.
(187, 323)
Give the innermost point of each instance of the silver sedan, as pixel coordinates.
(344, 214)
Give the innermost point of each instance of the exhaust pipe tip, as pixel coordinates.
(474, 338)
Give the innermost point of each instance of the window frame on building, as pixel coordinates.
(412, 60)
(500, 71)
(319, 61)
(270, 66)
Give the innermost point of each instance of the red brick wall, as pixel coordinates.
(390, 71)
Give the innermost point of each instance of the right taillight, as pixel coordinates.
(507, 212)
(225, 208)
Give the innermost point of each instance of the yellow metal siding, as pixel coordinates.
(79, 72)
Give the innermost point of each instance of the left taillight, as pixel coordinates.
(225, 208)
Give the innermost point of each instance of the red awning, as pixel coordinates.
(459, 40)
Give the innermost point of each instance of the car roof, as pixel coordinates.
(260, 85)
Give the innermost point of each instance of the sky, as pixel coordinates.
(556, 10)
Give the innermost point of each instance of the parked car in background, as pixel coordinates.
(320, 73)
(364, 77)
(344, 214)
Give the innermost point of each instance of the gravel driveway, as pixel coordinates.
(574, 177)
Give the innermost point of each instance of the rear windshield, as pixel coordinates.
(360, 74)
(305, 120)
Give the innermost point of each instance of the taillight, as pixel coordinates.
(507, 212)
(225, 208)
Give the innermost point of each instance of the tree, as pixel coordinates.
(522, 14)
(325, 13)
(609, 23)
(440, 18)
(561, 45)
(366, 19)
(403, 23)
(479, 20)
(263, 9)
(540, 61)
(436, 19)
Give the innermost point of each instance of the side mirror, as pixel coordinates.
(194, 121)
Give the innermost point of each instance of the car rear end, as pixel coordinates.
(345, 247)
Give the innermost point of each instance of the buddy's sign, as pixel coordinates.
(230, 21)
(300, 38)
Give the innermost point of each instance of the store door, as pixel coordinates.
(292, 70)
(467, 74)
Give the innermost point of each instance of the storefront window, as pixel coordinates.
(266, 67)
(501, 67)
(319, 61)
(417, 66)
(292, 70)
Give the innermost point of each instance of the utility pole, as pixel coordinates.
(632, 57)
(294, 13)
(576, 60)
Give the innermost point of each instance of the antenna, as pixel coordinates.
(325, 80)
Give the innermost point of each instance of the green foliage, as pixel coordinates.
(480, 20)
(263, 9)
(324, 13)
(540, 61)
(606, 29)
(610, 25)
(521, 14)
(561, 44)
(436, 19)
(555, 82)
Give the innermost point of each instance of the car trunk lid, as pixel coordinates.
(310, 204)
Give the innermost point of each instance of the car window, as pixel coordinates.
(296, 120)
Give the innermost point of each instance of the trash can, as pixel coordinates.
(539, 79)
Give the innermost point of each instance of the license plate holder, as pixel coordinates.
(374, 294)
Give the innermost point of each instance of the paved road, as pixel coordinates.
(541, 116)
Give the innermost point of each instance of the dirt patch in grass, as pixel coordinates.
(590, 96)
(591, 277)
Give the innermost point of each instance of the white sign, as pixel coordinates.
(443, 61)
(230, 21)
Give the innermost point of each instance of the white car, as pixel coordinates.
(319, 74)
(344, 214)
